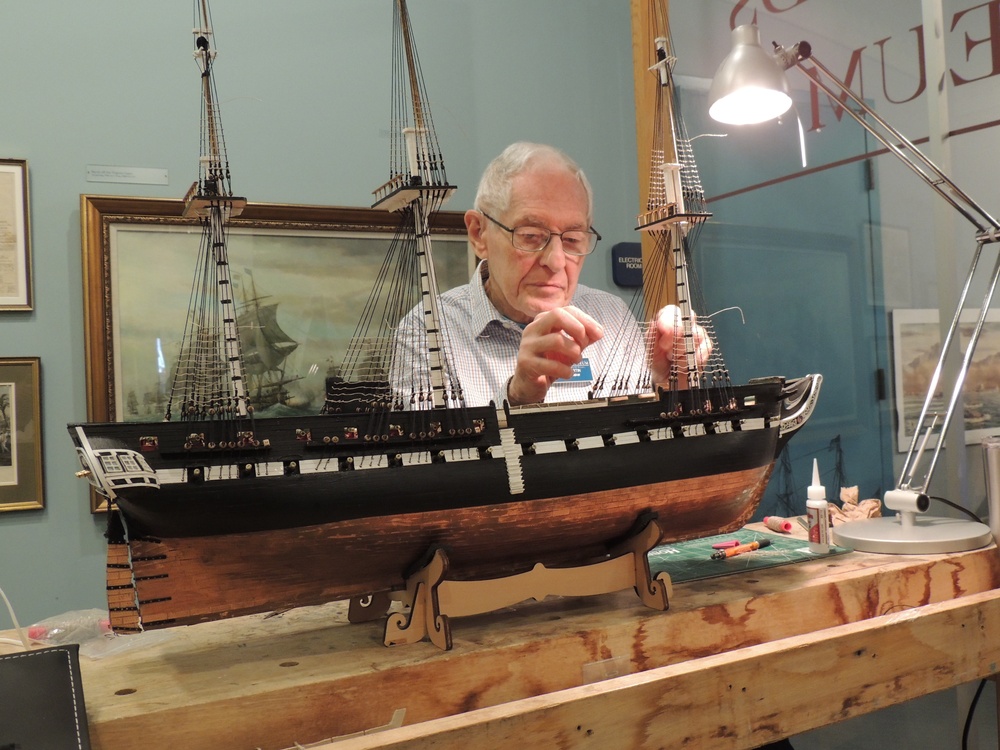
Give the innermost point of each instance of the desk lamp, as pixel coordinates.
(910, 531)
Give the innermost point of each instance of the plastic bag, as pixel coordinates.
(91, 628)
(79, 626)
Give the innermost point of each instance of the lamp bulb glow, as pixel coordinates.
(750, 105)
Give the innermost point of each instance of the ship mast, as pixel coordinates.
(675, 207)
(418, 184)
(209, 381)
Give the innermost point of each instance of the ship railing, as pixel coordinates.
(799, 401)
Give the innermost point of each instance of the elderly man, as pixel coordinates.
(524, 329)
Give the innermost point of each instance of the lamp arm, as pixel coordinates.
(928, 420)
(911, 483)
(899, 145)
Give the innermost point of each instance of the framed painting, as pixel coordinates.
(301, 276)
(916, 347)
(20, 434)
(15, 236)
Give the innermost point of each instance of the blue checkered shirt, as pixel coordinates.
(481, 347)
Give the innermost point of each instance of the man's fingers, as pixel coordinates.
(572, 322)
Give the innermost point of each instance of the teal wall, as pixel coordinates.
(304, 96)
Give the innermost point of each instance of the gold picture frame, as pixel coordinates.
(15, 237)
(21, 485)
(316, 264)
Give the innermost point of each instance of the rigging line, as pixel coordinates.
(369, 311)
(428, 138)
(618, 366)
(456, 392)
(190, 323)
(399, 117)
(657, 22)
(406, 295)
(726, 309)
(630, 338)
(400, 282)
(406, 299)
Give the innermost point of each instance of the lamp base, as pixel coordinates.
(926, 535)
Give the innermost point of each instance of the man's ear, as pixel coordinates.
(475, 226)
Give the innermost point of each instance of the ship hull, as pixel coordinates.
(187, 552)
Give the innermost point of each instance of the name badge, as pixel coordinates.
(581, 373)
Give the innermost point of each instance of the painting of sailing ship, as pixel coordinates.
(916, 350)
(265, 345)
(350, 501)
(283, 283)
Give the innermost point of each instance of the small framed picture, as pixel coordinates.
(20, 434)
(916, 348)
(15, 236)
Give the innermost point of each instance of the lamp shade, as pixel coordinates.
(749, 86)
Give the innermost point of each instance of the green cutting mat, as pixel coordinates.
(692, 560)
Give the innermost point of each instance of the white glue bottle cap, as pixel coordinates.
(815, 491)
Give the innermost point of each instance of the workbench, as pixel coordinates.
(736, 662)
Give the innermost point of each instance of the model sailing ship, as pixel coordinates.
(217, 514)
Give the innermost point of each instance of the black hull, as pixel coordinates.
(276, 493)
(282, 502)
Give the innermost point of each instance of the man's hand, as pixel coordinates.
(667, 347)
(551, 344)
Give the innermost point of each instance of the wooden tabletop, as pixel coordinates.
(736, 661)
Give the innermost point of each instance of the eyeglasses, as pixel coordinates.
(535, 239)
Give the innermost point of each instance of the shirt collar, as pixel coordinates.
(483, 311)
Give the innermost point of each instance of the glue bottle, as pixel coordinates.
(818, 513)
